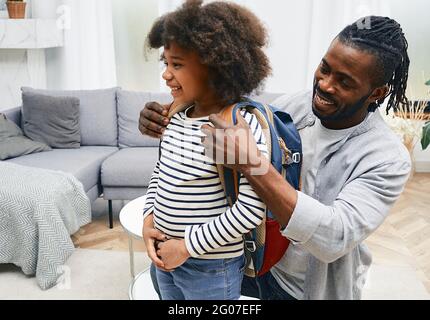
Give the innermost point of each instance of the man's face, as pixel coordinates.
(343, 86)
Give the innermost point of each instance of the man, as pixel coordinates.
(354, 167)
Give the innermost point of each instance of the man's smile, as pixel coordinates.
(323, 104)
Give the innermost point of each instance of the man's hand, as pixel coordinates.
(173, 253)
(151, 236)
(233, 145)
(153, 119)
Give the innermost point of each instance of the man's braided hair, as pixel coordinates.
(383, 37)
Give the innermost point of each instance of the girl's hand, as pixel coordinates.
(150, 236)
(173, 252)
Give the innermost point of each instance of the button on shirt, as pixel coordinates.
(316, 141)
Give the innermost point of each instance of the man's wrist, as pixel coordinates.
(254, 167)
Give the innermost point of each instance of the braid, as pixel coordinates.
(384, 38)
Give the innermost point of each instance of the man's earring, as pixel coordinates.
(378, 103)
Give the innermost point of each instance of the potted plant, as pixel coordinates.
(16, 9)
(407, 122)
(425, 137)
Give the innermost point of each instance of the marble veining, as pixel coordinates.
(22, 55)
(30, 34)
(20, 68)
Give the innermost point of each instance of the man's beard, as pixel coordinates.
(342, 113)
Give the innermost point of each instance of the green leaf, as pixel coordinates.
(425, 139)
(427, 83)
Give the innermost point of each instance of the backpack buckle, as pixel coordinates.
(296, 157)
(250, 246)
(293, 158)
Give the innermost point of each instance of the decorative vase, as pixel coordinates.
(16, 9)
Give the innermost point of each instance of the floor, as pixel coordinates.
(406, 232)
(403, 238)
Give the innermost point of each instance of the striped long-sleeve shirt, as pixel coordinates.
(186, 196)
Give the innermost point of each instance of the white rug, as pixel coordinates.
(394, 283)
(94, 274)
(102, 274)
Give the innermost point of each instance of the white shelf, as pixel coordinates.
(30, 34)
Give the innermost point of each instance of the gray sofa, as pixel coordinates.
(114, 159)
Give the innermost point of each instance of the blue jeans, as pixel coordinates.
(203, 279)
(264, 287)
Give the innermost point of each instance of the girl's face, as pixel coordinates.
(185, 75)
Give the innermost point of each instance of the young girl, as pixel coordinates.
(213, 56)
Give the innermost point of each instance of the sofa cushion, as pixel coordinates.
(53, 120)
(130, 167)
(83, 163)
(13, 143)
(13, 115)
(98, 118)
(123, 193)
(130, 103)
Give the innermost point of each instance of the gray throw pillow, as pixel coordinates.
(98, 115)
(13, 143)
(53, 120)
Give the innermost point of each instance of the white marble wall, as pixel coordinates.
(29, 34)
(20, 68)
(22, 56)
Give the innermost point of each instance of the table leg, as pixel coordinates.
(131, 251)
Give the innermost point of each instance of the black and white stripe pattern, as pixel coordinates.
(187, 198)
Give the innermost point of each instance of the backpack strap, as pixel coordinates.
(176, 108)
(229, 178)
(259, 111)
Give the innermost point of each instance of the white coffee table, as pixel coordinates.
(131, 218)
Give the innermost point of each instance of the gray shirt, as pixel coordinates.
(357, 180)
(315, 140)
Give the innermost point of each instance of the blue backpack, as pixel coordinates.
(265, 245)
